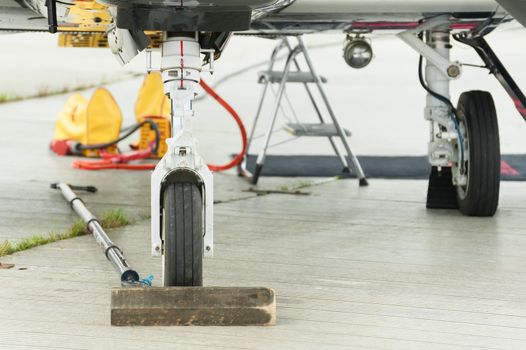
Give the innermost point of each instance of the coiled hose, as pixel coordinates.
(239, 157)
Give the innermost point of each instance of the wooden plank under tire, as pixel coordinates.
(198, 306)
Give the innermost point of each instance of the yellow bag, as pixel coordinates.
(151, 100)
(92, 122)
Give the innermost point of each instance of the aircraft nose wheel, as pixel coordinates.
(183, 235)
(478, 119)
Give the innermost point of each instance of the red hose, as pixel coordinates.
(239, 158)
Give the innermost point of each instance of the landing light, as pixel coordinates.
(357, 52)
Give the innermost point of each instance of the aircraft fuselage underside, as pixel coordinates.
(285, 16)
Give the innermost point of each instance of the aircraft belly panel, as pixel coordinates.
(210, 4)
(389, 6)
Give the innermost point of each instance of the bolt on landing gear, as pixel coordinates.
(182, 184)
(464, 149)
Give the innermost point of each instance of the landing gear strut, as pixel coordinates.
(182, 184)
(464, 149)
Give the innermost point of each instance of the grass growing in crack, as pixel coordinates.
(5, 248)
(6, 97)
(296, 186)
(112, 218)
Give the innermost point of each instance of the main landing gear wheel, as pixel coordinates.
(183, 235)
(478, 120)
(480, 131)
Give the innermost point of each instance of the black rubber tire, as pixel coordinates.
(183, 235)
(476, 110)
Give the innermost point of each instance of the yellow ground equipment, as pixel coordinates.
(100, 39)
(82, 39)
(92, 128)
(88, 23)
(87, 16)
(154, 105)
(94, 122)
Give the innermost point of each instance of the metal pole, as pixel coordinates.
(112, 252)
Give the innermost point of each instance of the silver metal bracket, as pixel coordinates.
(126, 44)
(450, 69)
(211, 62)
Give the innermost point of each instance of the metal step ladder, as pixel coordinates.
(298, 129)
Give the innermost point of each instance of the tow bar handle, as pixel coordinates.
(91, 189)
(113, 253)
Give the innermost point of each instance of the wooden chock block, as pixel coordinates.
(199, 306)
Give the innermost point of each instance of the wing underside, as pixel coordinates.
(517, 8)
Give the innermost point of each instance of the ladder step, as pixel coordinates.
(294, 77)
(310, 129)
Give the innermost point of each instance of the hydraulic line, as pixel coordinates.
(239, 157)
(128, 132)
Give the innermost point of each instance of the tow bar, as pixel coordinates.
(128, 276)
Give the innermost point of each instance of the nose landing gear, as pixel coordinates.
(182, 184)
